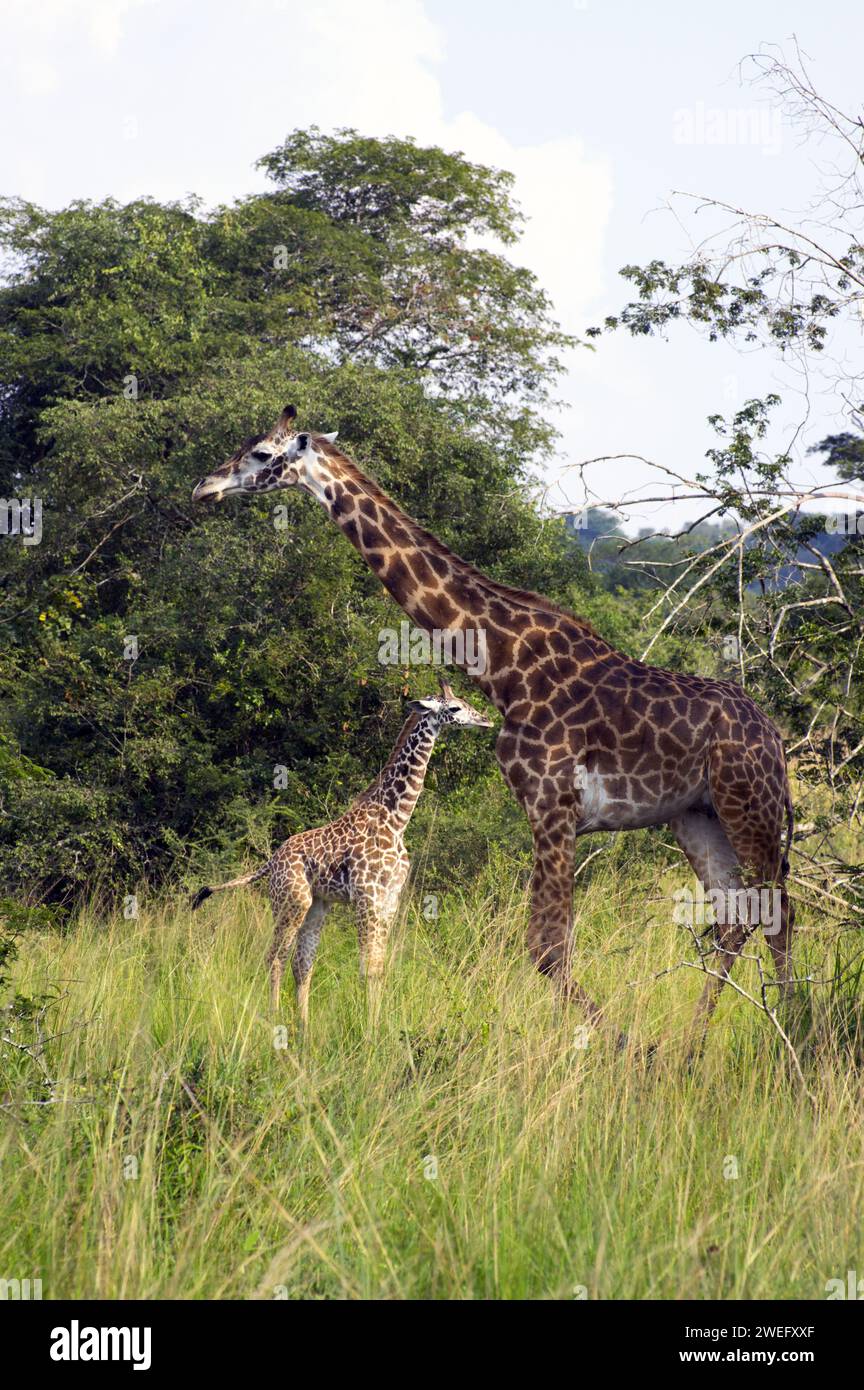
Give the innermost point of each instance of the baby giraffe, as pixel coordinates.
(359, 858)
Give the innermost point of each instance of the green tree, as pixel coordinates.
(160, 667)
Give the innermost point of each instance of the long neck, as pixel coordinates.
(400, 782)
(476, 621)
(435, 588)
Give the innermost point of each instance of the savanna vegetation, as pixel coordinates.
(180, 689)
(482, 1146)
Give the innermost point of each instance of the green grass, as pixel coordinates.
(187, 1156)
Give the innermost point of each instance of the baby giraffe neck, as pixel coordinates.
(398, 786)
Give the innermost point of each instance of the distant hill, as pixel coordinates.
(598, 532)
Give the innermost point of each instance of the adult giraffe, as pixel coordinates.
(591, 739)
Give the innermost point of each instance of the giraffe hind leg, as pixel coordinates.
(291, 899)
(737, 850)
(303, 959)
(780, 944)
(715, 863)
(754, 821)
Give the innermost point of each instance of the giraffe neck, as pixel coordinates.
(480, 620)
(398, 786)
(434, 587)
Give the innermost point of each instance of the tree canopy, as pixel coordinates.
(159, 664)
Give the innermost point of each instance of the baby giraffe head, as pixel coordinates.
(447, 708)
(281, 458)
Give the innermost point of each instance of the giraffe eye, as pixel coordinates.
(261, 455)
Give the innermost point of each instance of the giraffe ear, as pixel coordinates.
(331, 437)
(422, 706)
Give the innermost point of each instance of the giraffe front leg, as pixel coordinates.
(377, 907)
(373, 929)
(372, 933)
(550, 927)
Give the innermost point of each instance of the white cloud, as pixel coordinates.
(47, 20)
(566, 197)
(240, 79)
(37, 77)
(191, 98)
(373, 67)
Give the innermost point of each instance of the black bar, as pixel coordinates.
(222, 1338)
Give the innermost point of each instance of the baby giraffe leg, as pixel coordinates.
(374, 920)
(289, 913)
(303, 959)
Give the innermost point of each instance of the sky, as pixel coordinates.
(600, 108)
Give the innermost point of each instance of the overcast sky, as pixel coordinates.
(600, 107)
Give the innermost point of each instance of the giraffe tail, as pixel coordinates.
(790, 827)
(203, 893)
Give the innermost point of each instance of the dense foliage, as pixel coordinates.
(160, 664)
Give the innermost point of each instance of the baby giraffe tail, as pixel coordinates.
(232, 883)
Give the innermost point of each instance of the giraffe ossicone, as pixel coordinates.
(591, 739)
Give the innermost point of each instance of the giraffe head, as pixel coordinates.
(447, 708)
(281, 458)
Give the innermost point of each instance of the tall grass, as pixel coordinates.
(474, 1147)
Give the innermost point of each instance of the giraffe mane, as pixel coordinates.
(525, 598)
(407, 730)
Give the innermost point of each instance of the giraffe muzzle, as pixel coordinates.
(210, 487)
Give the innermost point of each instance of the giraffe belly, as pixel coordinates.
(331, 883)
(604, 808)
